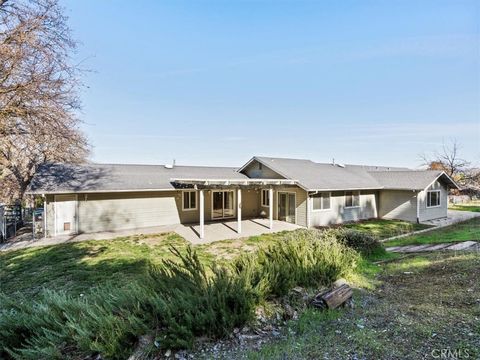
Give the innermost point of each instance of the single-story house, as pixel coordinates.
(109, 197)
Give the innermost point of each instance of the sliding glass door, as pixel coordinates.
(286, 207)
(223, 204)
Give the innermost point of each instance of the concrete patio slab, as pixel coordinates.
(224, 230)
(214, 231)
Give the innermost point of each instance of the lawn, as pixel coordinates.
(475, 207)
(79, 266)
(382, 229)
(403, 306)
(467, 230)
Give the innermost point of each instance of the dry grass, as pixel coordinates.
(423, 305)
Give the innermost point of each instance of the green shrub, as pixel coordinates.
(108, 321)
(360, 241)
(305, 258)
(179, 299)
(191, 303)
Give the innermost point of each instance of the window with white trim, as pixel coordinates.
(352, 198)
(321, 201)
(265, 197)
(189, 200)
(433, 198)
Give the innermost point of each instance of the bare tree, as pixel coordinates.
(448, 159)
(38, 91)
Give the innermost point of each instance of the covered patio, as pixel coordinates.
(224, 230)
(234, 187)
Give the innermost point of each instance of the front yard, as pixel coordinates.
(404, 307)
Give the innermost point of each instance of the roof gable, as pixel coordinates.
(258, 169)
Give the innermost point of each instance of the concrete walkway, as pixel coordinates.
(453, 217)
(459, 246)
(214, 231)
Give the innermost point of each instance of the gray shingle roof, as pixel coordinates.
(57, 178)
(317, 176)
(64, 178)
(320, 176)
(414, 180)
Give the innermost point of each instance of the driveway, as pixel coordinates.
(453, 217)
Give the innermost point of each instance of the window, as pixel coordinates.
(189, 200)
(352, 198)
(321, 201)
(433, 198)
(265, 198)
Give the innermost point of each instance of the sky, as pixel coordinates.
(217, 82)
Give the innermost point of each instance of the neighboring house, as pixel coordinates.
(101, 197)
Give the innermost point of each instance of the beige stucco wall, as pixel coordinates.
(434, 212)
(116, 211)
(338, 213)
(129, 210)
(398, 204)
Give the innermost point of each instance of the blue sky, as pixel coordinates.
(215, 82)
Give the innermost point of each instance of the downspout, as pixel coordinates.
(308, 210)
(44, 216)
(418, 207)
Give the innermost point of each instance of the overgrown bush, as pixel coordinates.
(360, 241)
(179, 300)
(58, 326)
(305, 258)
(189, 302)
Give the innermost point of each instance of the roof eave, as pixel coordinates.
(44, 192)
(346, 189)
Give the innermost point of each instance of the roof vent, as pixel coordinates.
(170, 166)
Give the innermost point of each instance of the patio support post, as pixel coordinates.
(270, 207)
(239, 210)
(202, 215)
